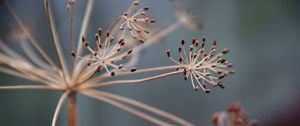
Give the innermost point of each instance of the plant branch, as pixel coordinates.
(58, 107)
(56, 41)
(145, 107)
(84, 25)
(28, 87)
(140, 114)
(121, 82)
(28, 35)
(139, 71)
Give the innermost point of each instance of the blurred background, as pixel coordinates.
(264, 41)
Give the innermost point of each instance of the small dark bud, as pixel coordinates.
(203, 39)
(136, 2)
(129, 52)
(214, 43)
(99, 31)
(146, 8)
(73, 54)
(168, 53)
(112, 74)
(221, 76)
(107, 34)
(121, 40)
(86, 44)
(206, 91)
(191, 48)
(96, 37)
(120, 66)
(182, 42)
(152, 21)
(133, 69)
(194, 41)
(180, 59)
(179, 49)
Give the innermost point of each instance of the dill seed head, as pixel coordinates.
(108, 52)
(204, 67)
(136, 23)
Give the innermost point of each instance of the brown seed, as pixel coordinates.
(129, 52)
(82, 39)
(182, 42)
(99, 31)
(133, 69)
(168, 53)
(112, 74)
(206, 91)
(73, 54)
(146, 8)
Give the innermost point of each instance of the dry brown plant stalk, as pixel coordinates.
(201, 66)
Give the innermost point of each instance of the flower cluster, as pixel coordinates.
(204, 67)
(79, 75)
(107, 53)
(136, 23)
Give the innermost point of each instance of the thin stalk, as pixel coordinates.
(28, 87)
(71, 16)
(57, 41)
(58, 108)
(139, 71)
(155, 38)
(28, 34)
(125, 108)
(72, 109)
(145, 107)
(15, 73)
(84, 25)
(121, 82)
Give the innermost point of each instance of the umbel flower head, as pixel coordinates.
(83, 74)
(136, 23)
(107, 53)
(200, 66)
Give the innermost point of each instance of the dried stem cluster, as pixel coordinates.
(84, 73)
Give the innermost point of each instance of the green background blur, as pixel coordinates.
(264, 41)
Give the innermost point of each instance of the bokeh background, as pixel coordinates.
(264, 41)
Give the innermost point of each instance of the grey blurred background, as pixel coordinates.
(263, 37)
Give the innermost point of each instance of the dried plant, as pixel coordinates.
(235, 115)
(84, 73)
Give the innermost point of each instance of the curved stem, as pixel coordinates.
(139, 71)
(72, 109)
(146, 107)
(58, 108)
(140, 114)
(121, 82)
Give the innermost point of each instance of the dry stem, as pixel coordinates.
(72, 109)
